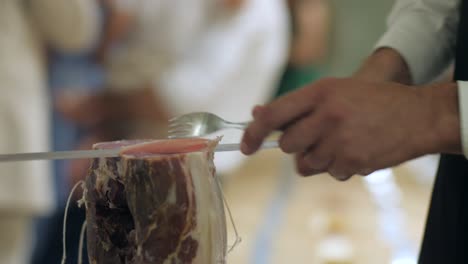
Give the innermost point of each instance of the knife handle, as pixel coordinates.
(236, 146)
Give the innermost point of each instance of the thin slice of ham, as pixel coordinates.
(156, 203)
(174, 146)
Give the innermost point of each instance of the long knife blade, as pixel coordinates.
(101, 153)
(58, 155)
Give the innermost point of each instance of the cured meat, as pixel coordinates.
(156, 203)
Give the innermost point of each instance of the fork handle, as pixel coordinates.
(236, 146)
(238, 125)
(270, 144)
(243, 125)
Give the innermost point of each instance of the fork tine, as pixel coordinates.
(176, 131)
(179, 118)
(196, 124)
(180, 125)
(180, 129)
(175, 118)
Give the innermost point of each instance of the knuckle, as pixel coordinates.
(302, 171)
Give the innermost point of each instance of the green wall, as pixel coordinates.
(356, 27)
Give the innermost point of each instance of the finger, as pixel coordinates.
(321, 156)
(304, 133)
(340, 175)
(303, 167)
(286, 108)
(275, 116)
(340, 171)
(253, 137)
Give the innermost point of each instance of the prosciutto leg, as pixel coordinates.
(157, 203)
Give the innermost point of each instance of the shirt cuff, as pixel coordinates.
(463, 108)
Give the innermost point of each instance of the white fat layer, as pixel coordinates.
(211, 222)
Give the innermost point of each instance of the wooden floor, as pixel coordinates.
(283, 218)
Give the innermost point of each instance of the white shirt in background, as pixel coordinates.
(25, 28)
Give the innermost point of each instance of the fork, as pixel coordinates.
(200, 124)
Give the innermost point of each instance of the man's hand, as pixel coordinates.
(351, 126)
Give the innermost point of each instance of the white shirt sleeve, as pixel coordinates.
(71, 25)
(463, 109)
(424, 33)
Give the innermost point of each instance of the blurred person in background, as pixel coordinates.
(310, 30)
(26, 28)
(76, 72)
